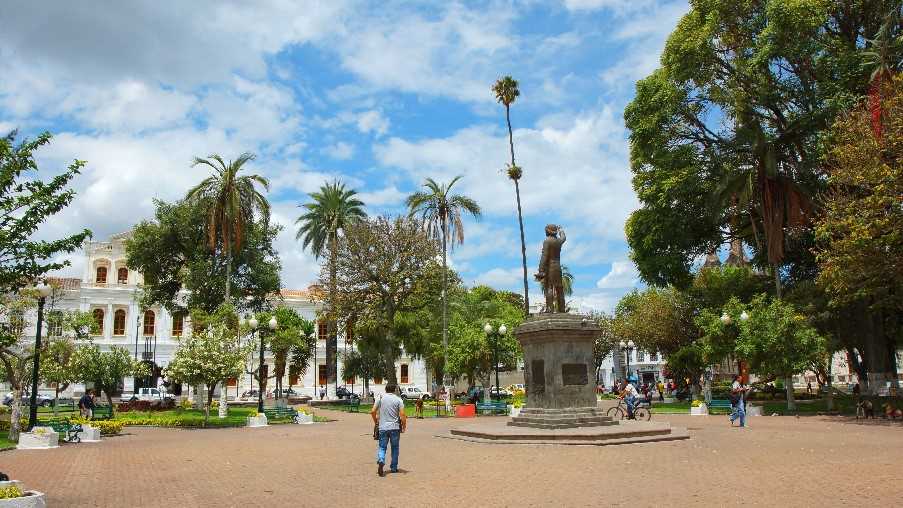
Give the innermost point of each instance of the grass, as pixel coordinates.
(5, 443)
(428, 411)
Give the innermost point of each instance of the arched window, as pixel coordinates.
(119, 322)
(149, 322)
(98, 319)
(322, 331)
(101, 275)
(122, 275)
(178, 325)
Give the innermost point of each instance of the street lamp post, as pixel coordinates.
(502, 330)
(627, 347)
(43, 292)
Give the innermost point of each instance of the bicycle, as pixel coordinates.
(640, 410)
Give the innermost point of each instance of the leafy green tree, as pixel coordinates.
(287, 343)
(207, 358)
(329, 214)
(25, 204)
(441, 214)
(506, 91)
(656, 319)
(367, 361)
(106, 369)
(171, 252)
(16, 349)
(385, 268)
(231, 202)
(57, 366)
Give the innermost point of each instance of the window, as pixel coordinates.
(101, 275)
(349, 332)
(16, 322)
(640, 356)
(178, 324)
(54, 323)
(232, 381)
(98, 320)
(119, 322)
(292, 375)
(350, 380)
(122, 275)
(321, 330)
(149, 322)
(404, 373)
(321, 374)
(653, 357)
(377, 380)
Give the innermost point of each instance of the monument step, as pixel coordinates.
(676, 434)
(571, 421)
(554, 426)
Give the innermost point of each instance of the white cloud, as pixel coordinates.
(299, 267)
(372, 121)
(623, 274)
(339, 151)
(388, 196)
(501, 278)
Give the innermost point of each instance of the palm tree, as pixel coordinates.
(330, 211)
(231, 202)
(506, 92)
(441, 213)
(567, 281)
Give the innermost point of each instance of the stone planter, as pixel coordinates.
(38, 439)
(513, 411)
(89, 434)
(257, 421)
(752, 410)
(702, 410)
(12, 483)
(31, 499)
(669, 400)
(304, 419)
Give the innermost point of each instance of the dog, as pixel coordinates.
(865, 409)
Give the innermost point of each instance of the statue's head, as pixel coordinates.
(551, 230)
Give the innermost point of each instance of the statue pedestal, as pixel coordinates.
(558, 368)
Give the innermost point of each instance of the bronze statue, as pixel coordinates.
(550, 269)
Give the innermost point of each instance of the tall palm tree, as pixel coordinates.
(329, 212)
(506, 92)
(441, 212)
(231, 201)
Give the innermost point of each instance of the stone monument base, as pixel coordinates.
(568, 418)
(498, 432)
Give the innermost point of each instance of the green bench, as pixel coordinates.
(719, 405)
(66, 429)
(492, 407)
(102, 413)
(280, 413)
(354, 404)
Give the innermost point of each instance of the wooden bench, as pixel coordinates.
(280, 413)
(66, 429)
(720, 405)
(492, 407)
(102, 413)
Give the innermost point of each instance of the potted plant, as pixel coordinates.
(698, 408)
(305, 416)
(38, 438)
(257, 420)
(13, 495)
(515, 407)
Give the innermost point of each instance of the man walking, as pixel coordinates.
(389, 416)
(738, 404)
(86, 404)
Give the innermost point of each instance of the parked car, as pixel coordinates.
(496, 393)
(344, 393)
(413, 393)
(150, 394)
(286, 393)
(250, 394)
(43, 400)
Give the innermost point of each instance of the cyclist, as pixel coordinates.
(629, 394)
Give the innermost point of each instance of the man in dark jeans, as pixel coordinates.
(86, 404)
(389, 416)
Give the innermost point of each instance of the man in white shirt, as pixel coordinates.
(630, 394)
(389, 416)
(738, 402)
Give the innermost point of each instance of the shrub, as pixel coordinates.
(10, 492)
(106, 427)
(185, 403)
(146, 405)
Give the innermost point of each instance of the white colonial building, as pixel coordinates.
(111, 293)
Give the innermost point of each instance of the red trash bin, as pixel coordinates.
(466, 411)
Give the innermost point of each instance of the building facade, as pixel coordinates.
(110, 292)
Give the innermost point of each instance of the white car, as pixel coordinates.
(412, 392)
(149, 394)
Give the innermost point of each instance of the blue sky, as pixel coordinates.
(378, 94)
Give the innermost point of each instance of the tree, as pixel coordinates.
(208, 357)
(656, 319)
(441, 214)
(106, 369)
(385, 267)
(16, 350)
(471, 352)
(367, 361)
(331, 211)
(606, 342)
(171, 252)
(57, 367)
(287, 342)
(231, 202)
(25, 203)
(506, 92)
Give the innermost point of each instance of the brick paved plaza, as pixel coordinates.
(777, 461)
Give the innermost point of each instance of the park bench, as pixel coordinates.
(492, 407)
(66, 429)
(102, 413)
(280, 413)
(720, 405)
(353, 403)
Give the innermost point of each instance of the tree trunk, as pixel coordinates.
(223, 401)
(210, 390)
(56, 401)
(15, 416)
(829, 395)
(332, 349)
(523, 251)
(109, 401)
(445, 381)
(788, 387)
(486, 380)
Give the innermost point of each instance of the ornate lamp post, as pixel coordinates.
(627, 347)
(253, 323)
(43, 292)
(496, 335)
